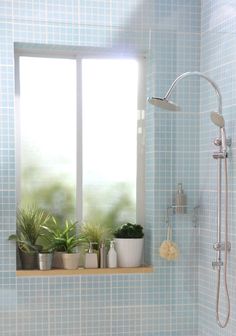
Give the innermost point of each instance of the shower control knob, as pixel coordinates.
(217, 141)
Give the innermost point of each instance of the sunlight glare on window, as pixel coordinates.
(109, 138)
(48, 133)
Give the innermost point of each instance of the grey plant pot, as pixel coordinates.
(18, 259)
(57, 261)
(29, 261)
(45, 261)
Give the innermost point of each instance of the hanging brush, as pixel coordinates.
(168, 249)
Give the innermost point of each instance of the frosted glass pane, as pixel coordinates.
(109, 139)
(48, 133)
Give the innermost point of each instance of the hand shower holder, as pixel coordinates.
(221, 154)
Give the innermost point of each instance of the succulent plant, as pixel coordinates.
(129, 230)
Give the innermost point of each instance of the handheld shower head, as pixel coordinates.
(219, 121)
(163, 103)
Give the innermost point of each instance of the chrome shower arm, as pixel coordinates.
(196, 73)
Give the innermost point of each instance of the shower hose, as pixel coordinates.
(220, 323)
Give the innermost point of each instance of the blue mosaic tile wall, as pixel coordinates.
(218, 61)
(160, 304)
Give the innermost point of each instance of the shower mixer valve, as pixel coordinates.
(222, 154)
(219, 247)
(218, 141)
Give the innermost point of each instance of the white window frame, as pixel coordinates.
(141, 103)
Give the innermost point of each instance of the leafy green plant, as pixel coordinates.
(29, 223)
(129, 230)
(61, 238)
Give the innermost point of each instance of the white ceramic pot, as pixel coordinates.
(70, 260)
(57, 261)
(129, 252)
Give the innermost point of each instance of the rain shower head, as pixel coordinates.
(217, 119)
(164, 104)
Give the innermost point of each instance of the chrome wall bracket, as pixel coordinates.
(216, 265)
(221, 246)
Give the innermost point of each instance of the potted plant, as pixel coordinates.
(29, 222)
(53, 235)
(64, 241)
(45, 254)
(70, 257)
(129, 245)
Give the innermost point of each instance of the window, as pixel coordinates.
(80, 153)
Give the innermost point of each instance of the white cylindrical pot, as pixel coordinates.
(129, 252)
(70, 260)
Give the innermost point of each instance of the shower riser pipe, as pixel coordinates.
(219, 187)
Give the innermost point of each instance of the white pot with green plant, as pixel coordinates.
(129, 245)
(67, 242)
(56, 234)
(29, 223)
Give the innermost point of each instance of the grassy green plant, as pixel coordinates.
(129, 230)
(29, 222)
(96, 232)
(60, 237)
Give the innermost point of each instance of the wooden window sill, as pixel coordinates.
(84, 271)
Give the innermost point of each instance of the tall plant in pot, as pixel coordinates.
(70, 257)
(29, 222)
(64, 242)
(53, 236)
(129, 245)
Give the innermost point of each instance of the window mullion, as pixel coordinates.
(79, 147)
(140, 182)
(17, 127)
